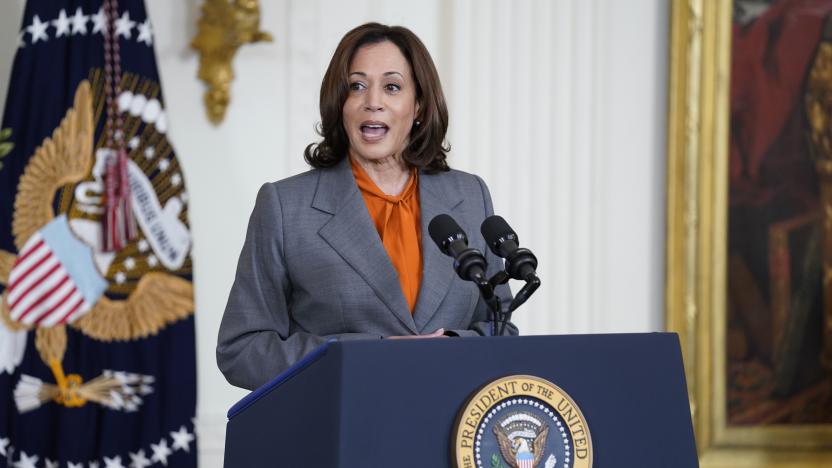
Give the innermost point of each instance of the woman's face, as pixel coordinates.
(381, 105)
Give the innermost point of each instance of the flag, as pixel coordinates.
(97, 349)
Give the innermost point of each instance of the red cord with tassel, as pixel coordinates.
(118, 221)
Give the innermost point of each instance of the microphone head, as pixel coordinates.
(495, 230)
(444, 230)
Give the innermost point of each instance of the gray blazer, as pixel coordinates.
(313, 268)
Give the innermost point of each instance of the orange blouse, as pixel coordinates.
(397, 222)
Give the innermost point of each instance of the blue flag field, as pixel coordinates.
(97, 349)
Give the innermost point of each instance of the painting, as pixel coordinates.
(749, 247)
(779, 350)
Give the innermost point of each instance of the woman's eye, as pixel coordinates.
(356, 86)
(393, 87)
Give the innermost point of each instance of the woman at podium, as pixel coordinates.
(341, 251)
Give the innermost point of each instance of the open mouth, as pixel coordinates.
(373, 130)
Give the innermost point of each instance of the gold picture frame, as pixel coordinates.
(697, 196)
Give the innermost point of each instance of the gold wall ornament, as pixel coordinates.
(697, 235)
(225, 25)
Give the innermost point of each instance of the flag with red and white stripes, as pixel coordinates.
(52, 281)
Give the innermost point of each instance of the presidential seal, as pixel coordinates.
(521, 421)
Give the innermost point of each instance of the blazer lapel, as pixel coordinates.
(353, 235)
(437, 269)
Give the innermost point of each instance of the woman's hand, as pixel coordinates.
(437, 334)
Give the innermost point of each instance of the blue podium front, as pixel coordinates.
(420, 403)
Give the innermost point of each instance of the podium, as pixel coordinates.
(396, 402)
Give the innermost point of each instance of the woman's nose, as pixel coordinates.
(373, 100)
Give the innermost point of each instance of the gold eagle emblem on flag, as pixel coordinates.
(59, 277)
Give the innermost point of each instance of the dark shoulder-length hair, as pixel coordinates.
(427, 147)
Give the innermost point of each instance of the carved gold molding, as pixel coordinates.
(224, 27)
(697, 188)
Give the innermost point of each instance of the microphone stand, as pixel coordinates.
(532, 283)
(496, 315)
(493, 301)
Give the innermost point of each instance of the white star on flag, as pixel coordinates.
(93, 464)
(124, 25)
(134, 142)
(145, 33)
(26, 461)
(164, 164)
(51, 464)
(99, 22)
(161, 452)
(181, 439)
(74, 465)
(61, 24)
(38, 30)
(139, 460)
(176, 179)
(143, 245)
(79, 22)
(129, 263)
(114, 462)
(3, 444)
(120, 277)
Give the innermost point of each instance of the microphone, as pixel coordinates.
(502, 240)
(469, 263)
